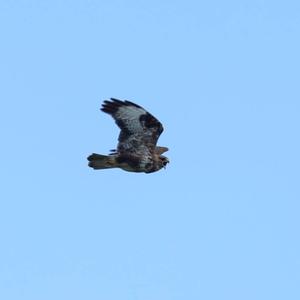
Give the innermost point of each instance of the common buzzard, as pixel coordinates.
(136, 150)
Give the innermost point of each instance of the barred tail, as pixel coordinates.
(98, 161)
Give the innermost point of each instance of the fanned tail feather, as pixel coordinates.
(98, 161)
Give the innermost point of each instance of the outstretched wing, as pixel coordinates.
(139, 129)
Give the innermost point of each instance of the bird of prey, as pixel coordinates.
(136, 150)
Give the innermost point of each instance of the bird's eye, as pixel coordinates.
(165, 162)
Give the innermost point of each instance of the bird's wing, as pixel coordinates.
(139, 129)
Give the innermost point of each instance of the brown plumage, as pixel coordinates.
(136, 150)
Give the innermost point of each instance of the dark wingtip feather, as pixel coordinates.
(115, 100)
(127, 102)
(111, 106)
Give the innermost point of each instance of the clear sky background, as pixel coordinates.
(222, 221)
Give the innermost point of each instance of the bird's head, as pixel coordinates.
(164, 161)
(159, 163)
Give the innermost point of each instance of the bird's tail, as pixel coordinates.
(98, 161)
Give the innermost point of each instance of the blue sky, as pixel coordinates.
(222, 222)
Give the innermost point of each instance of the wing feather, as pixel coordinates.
(139, 129)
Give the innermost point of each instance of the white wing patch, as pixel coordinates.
(130, 115)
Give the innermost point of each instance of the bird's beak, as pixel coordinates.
(167, 162)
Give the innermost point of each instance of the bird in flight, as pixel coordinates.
(136, 150)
